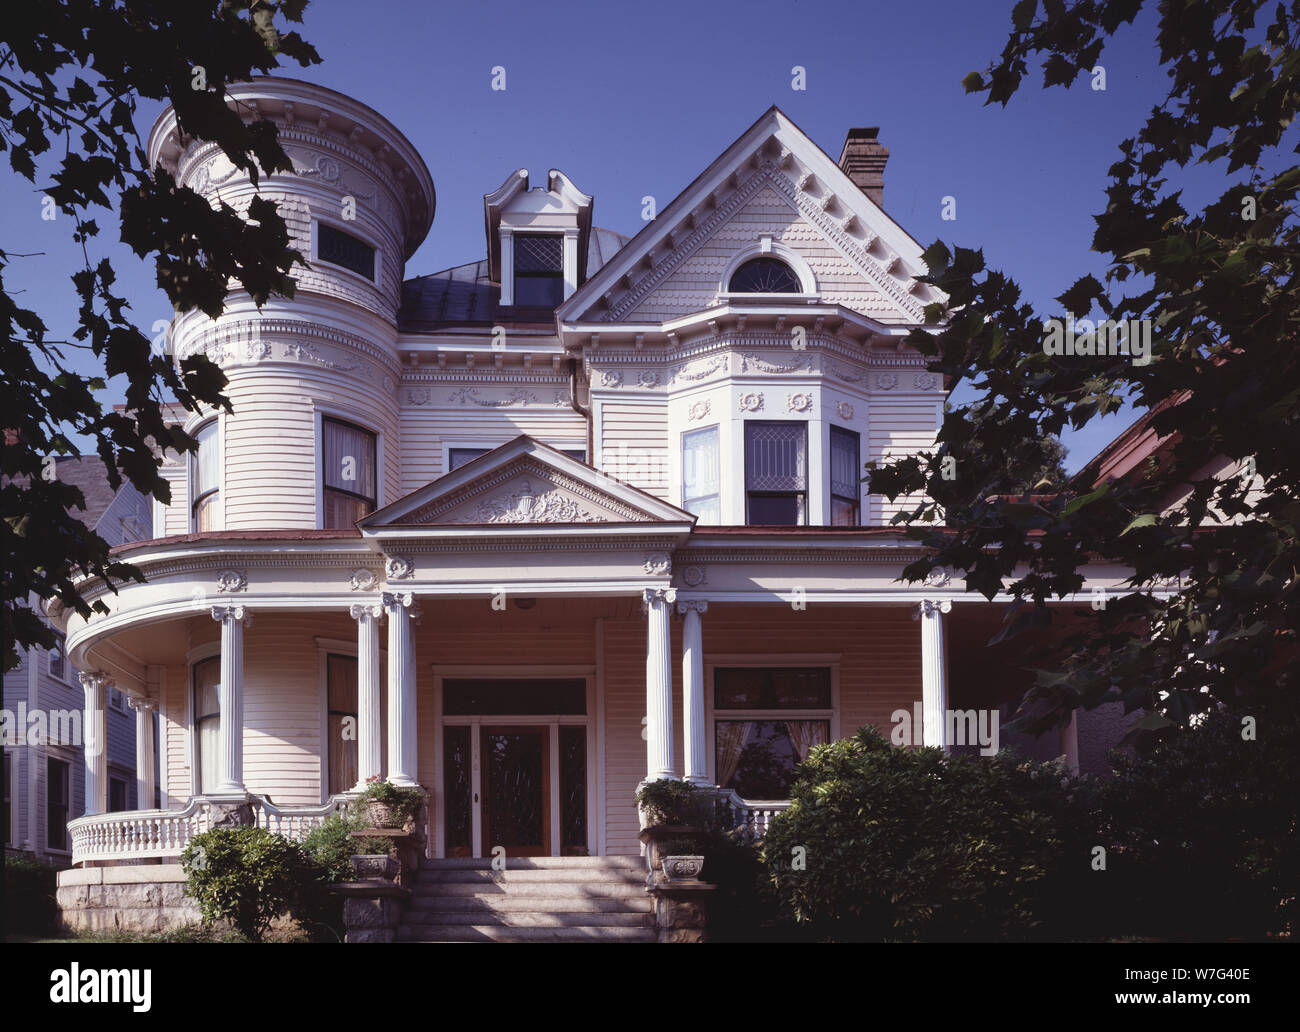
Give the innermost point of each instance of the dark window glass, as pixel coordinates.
(770, 688)
(9, 780)
(764, 276)
(523, 697)
(116, 795)
(339, 248)
(341, 684)
(539, 269)
(776, 473)
(349, 468)
(573, 789)
(845, 477)
(456, 777)
(58, 800)
(457, 457)
(58, 665)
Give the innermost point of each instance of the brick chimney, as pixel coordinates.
(863, 158)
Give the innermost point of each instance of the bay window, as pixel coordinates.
(349, 470)
(776, 473)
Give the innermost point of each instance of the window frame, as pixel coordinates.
(325, 488)
(122, 780)
(317, 222)
(557, 275)
(214, 424)
(776, 660)
(68, 802)
(808, 478)
(856, 437)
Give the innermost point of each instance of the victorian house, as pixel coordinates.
(583, 512)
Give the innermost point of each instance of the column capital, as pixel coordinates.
(693, 605)
(931, 607)
(650, 596)
(94, 679)
(141, 705)
(364, 610)
(223, 613)
(394, 599)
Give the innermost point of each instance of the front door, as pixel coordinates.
(516, 790)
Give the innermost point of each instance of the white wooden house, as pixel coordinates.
(584, 512)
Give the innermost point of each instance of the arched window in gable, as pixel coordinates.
(764, 276)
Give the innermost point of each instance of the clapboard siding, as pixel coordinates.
(899, 428)
(694, 284)
(634, 443)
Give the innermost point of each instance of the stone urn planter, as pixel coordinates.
(382, 815)
(376, 867)
(683, 868)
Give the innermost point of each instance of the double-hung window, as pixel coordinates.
(58, 802)
(349, 470)
(776, 473)
(341, 684)
(539, 269)
(207, 722)
(846, 477)
(205, 479)
(700, 475)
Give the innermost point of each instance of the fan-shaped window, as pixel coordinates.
(764, 276)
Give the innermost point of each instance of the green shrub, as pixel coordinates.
(249, 877)
(1200, 831)
(330, 845)
(30, 907)
(404, 801)
(669, 801)
(913, 844)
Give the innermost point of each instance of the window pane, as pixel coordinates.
(776, 510)
(519, 697)
(457, 457)
(456, 794)
(844, 513)
(776, 456)
(757, 758)
(573, 791)
(349, 457)
(709, 510)
(116, 795)
(206, 468)
(339, 248)
(767, 688)
(57, 801)
(205, 516)
(764, 276)
(539, 252)
(343, 510)
(207, 721)
(845, 475)
(539, 291)
(341, 672)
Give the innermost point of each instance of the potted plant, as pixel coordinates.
(666, 801)
(390, 806)
(682, 859)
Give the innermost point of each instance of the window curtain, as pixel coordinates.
(845, 475)
(343, 443)
(731, 738)
(207, 469)
(342, 677)
(207, 722)
(804, 734)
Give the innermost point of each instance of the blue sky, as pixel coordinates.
(635, 100)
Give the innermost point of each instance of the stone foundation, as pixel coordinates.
(143, 899)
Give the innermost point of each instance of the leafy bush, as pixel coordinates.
(1201, 830)
(330, 845)
(403, 801)
(249, 876)
(30, 907)
(903, 844)
(669, 801)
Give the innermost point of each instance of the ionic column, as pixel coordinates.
(934, 671)
(401, 690)
(230, 701)
(695, 762)
(370, 742)
(144, 776)
(659, 683)
(94, 752)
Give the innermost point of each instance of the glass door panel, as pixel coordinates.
(516, 791)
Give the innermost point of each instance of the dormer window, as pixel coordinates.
(539, 269)
(764, 276)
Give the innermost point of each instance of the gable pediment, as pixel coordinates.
(774, 182)
(525, 483)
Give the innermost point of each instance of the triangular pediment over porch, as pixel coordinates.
(525, 483)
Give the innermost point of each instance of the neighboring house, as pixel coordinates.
(44, 700)
(532, 530)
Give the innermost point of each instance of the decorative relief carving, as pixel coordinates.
(648, 378)
(611, 378)
(388, 384)
(938, 577)
(799, 402)
(231, 580)
(307, 353)
(399, 567)
(699, 409)
(694, 575)
(418, 395)
(887, 381)
(844, 410)
(751, 401)
(258, 350)
(847, 375)
(926, 381)
(701, 371)
(470, 396)
(523, 506)
(750, 362)
(363, 580)
(658, 564)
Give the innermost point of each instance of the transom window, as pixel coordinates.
(846, 478)
(539, 269)
(764, 276)
(348, 456)
(516, 697)
(345, 250)
(776, 473)
(700, 475)
(766, 719)
(205, 479)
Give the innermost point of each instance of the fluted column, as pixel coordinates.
(230, 700)
(94, 751)
(370, 742)
(144, 775)
(659, 683)
(695, 762)
(401, 690)
(934, 671)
